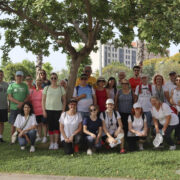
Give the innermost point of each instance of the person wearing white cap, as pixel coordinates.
(18, 93)
(112, 125)
(165, 120)
(143, 94)
(137, 125)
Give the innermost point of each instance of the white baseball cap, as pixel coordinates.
(109, 101)
(137, 105)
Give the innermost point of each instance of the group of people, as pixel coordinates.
(100, 113)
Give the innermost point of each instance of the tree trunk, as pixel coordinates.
(75, 63)
(39, 64)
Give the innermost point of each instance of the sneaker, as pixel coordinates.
(89, 152)
(122, 151)
(38, 139)
(51, 146)
(22, 148)
(141, 147)
(44, 140)
(56, 146)
(171, 148)
(32, 149)
(1, 140)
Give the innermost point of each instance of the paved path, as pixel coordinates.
(4, 176)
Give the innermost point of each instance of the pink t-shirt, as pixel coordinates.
(36, 100)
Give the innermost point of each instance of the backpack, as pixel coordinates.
(77, 88)
(149, 87)
(114, 112)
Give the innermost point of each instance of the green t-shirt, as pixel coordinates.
(18, 92)
(53, 98)
(3, 95)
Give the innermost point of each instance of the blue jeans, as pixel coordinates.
(91, 142)
(32, 136)
(149, 118)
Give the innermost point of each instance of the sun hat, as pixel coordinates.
(19, 73)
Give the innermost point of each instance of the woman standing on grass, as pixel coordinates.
(92, 128)
(53, 103)
(71, 127)
(36, 100)
(165, 120)
(137, 124)
(26, 126)
(112, 125)
(124, 103)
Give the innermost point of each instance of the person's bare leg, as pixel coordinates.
(13, 128)
(1, 129)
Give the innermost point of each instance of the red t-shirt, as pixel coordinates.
(134, 82)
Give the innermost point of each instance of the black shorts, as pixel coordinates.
(105, 137)
(3, 115)
(41, 119)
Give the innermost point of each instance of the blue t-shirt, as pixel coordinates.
(92, 126)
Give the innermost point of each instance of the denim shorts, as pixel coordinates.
(13, 115)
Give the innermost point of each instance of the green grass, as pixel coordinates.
(149, 164)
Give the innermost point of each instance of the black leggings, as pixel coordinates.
(124, 119)
(53, 121)
(132, 142)
(68, 147)
(167, 136)
(177, 129)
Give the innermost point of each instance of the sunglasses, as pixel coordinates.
(111, 123)
(92, 110)
(87, 71)
(83, 78)
(53, 78)
(28, 79)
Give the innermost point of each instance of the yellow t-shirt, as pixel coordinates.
(91, 81)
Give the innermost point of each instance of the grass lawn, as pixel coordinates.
(149, 164)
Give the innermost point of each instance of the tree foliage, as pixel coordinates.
(26, 66)
(48, 68)
(114, 68)
(37, 24)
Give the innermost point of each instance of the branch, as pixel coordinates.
(90, 24)
(6, 8)
(80, 32)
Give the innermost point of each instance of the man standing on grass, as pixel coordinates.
(3, 104)
(18, 93)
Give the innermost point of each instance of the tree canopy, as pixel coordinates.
(37, 24)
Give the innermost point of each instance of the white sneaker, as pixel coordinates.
(51, 146)
(56, 146)
(32, 149)
(171, 148)
(22, 148)
(44, 140)
(89, 152)
(141, 147)
(38, 139)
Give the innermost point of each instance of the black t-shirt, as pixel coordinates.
(92, 126)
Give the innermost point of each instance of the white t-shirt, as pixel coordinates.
(111, 123)
(144, 97)
(83, 104)
(20, 122)
(70, 123)
(169, 86)
(176, 98)
(137, 124)
(164, 111)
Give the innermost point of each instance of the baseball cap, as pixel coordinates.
(83, 76)
(144, 75)
(19, 73)
(109, 101)
(137, 105)
(72, 100)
